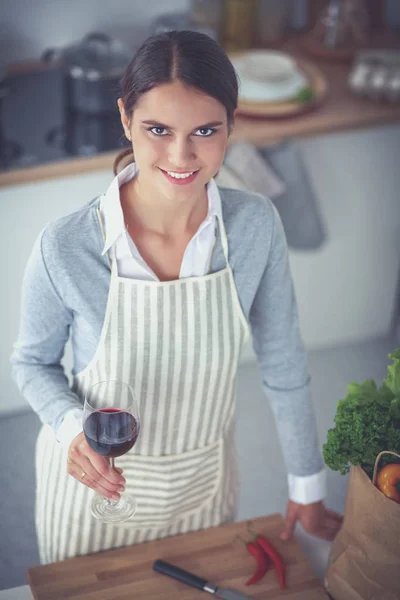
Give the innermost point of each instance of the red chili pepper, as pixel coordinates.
(274, 555)
(262, 562)
(261, 558)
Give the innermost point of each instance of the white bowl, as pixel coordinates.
(268, 76)
(268, 65)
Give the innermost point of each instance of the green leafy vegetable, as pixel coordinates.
(393, 378)
(367, 421)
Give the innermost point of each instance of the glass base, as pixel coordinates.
(113, 511)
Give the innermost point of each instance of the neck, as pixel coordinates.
(160, 214)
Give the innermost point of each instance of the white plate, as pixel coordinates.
(267, 76)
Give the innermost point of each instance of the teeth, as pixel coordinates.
(179, 175)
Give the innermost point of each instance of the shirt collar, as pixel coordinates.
(111, 206)
(114, 217)
(214, 201)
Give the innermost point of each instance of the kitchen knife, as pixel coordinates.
(197, 582)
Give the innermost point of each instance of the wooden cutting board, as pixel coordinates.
(126, 573)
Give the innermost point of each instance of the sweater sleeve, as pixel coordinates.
(283, 361)
(44, 330)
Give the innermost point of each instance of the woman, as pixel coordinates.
(158, 282)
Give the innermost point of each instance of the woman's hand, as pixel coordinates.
(315, 518)
(98, 474)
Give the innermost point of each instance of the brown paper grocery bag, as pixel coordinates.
(364, 562)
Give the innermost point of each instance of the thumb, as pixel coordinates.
(290, 525)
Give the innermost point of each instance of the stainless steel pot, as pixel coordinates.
(93, 70)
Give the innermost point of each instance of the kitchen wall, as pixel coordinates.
(28, 27)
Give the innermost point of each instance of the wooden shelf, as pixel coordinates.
(340, 111)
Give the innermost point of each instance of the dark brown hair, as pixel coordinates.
(187, 56)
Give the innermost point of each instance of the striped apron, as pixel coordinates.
(177, 343)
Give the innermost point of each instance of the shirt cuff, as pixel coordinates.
(70, 426)
(307, 489)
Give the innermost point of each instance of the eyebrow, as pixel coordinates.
(158, 124)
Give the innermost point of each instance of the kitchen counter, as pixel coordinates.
(341, 110)
(316, 550)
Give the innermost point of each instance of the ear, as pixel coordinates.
(124, 119)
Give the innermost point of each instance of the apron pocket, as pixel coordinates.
(171, 487)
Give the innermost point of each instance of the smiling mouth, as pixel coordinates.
(180, 178)
(180, 174)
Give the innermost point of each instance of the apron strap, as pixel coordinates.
(224, 239)
(104, 234)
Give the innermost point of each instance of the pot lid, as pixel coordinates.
(97, 56)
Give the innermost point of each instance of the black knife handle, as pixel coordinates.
(184, 576)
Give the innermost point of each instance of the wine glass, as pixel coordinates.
(111, 425)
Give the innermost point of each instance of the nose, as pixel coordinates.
(181, 152)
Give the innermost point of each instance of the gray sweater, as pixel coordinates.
(65, 290)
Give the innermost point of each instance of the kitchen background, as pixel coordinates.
(338, 196)
(26, 31)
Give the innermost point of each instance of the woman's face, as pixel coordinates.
(179, 138)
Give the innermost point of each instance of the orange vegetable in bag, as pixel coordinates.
(388, 481)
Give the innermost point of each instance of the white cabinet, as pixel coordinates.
(346, 290)
(24, 211)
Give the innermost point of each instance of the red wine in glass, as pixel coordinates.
(111, 432)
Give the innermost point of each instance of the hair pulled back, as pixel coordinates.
(187, 56)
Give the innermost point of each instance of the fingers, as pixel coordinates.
(334, 515)
(100, 463)
(325, 534)
(93, 478)
(328, 529)
(109, 477)
(98, 473)
(334, 524)
(290, 523)
(75, 471)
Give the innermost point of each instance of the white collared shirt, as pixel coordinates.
(197, 256)
(195, 263)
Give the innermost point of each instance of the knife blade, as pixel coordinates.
(197, 582)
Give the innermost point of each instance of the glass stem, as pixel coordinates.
(111, 502)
